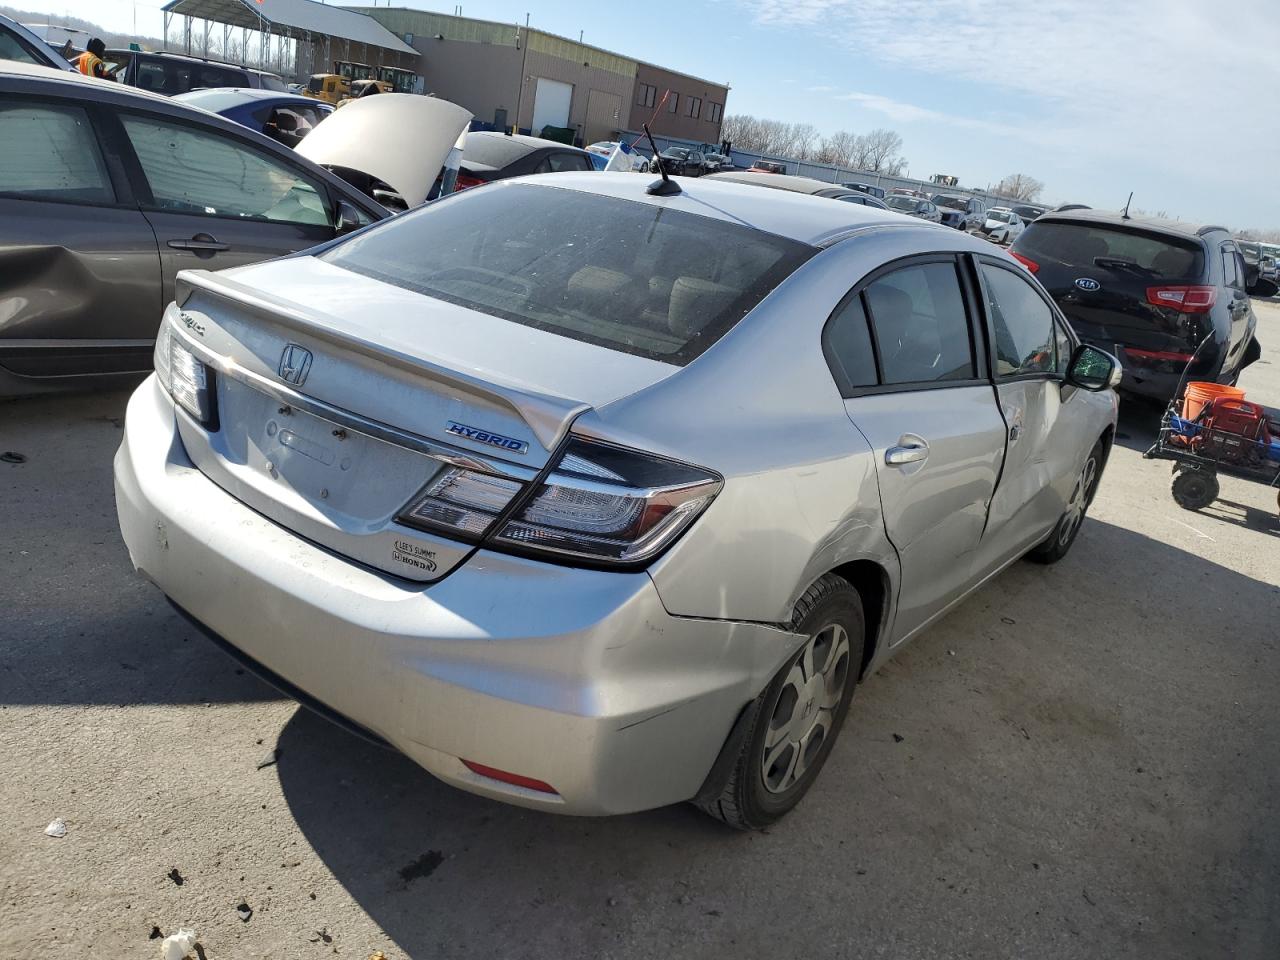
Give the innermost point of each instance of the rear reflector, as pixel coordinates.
(1025, 261)
(1184, 299)
(1137, 354)
(493, 773)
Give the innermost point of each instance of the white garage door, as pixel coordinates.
(551, 104)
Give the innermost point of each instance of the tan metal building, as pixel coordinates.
(509, 75)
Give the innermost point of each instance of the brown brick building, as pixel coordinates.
(694, 108)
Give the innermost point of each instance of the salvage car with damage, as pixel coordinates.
(593, 496)
(106, 192)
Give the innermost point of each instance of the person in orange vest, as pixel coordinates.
(90, 62)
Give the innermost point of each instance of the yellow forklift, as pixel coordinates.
(349, 79)
(397, 80)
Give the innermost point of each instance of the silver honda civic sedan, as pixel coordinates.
(593, 499)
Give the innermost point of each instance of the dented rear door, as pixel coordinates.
(79, 265)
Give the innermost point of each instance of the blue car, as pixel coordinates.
(284, 117)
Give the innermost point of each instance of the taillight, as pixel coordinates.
(611, 505)
(1158, 355)
(1185, 299)
(461, 502)
(186, 378)
(465, 181)
(1025, 261)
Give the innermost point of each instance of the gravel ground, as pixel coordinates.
(1080, 761)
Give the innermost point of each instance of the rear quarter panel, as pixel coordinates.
(800, 494)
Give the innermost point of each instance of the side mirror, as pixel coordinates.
(348, 219)
(1094, 369)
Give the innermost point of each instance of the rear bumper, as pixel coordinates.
(577, 678)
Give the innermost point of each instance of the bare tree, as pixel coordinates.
(1019, 186)
(876, 151)
(879, 152)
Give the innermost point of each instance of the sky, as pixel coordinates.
(1172, 99)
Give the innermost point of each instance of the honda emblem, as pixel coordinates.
(295, 364)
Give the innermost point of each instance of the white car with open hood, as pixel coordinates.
(593, 495)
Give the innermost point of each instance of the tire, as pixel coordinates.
(797, 718)
(1058, 543)
(1194, 489)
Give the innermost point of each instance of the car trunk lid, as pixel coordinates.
(332, 427)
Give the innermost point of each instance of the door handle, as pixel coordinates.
(910, 449)
(201, 242)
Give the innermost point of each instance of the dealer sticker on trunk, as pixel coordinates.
(406, 552)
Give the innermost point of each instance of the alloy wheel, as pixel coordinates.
(804, 712)
(1079, 501)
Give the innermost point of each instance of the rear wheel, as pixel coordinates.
(1194, 489)
(790, 728)
(1064, 534)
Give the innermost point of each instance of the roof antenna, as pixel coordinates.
(666, 187)
(1125, 215)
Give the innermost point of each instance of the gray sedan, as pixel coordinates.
(106, 193)
(591, 499)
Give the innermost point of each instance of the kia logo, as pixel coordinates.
(1088, 284)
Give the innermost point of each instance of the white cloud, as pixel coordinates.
(1173, 84)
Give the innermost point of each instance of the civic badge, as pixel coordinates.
(1088, 284)
(295, 364)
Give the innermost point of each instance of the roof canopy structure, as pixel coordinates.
(291, 18)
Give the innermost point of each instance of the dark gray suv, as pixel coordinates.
(174, 73)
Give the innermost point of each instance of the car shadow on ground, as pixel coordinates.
(1055, 680)
(77, 624)
(1139, 422)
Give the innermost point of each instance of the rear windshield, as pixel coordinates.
(215, 100)
(634, 277)
(1121, 250)
(170, 77)
(493, 150)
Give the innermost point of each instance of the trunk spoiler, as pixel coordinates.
(547, 416)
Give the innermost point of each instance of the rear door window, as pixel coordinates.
(847, 344)
(14, 47)
(1232, 269)
(568, 161)
(1021, 322)
(196, 171)
(50, 152)
(631, 276)
(1134, 253)
(921, 325)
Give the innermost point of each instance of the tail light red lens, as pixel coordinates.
(1157, 355)
(515, 779)
(464, 182)
(1183, 298)
(1025, 261)
(610, 505)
